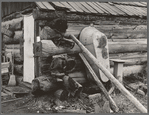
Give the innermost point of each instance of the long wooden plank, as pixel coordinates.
(75, 7)
(95, 7)
(115, 9)
(28, 67)
(58, 4)
(106, 8)
(100, 85)
(88, 7)
(110, 8)
(40, 5)
(48, 6)
(68, 6)
(126, 93)
(121, 7)
(82, 7)
(105, 11)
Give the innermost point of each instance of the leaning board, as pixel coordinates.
(28, 71)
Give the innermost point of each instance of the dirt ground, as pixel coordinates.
(43, 104)
(46, 103)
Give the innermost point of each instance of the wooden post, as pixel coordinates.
(110, 76)
(118, 69)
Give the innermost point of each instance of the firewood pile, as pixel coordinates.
(65, 79)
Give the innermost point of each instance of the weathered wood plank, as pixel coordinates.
(14, 46)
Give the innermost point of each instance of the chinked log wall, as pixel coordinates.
(12, 44)
(128, 42)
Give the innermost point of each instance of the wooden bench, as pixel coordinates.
(118, 71)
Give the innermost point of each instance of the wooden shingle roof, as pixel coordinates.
(103, 8)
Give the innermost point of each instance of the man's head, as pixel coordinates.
(60, 25)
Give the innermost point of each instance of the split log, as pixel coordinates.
(15, 40)
(126, 93)
(7, 32)
(49, 49)
(18, 69)
(13, 25)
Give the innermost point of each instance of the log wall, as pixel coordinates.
(12, 44)
(128, 42)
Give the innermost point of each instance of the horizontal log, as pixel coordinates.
(13, 25)
(12, 46)
(49, 49)
(127, 71)
(122, 48)
(127, 55)
(15, 40)
(127, 40)
(7, 32)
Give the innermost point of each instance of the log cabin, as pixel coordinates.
(124, 24)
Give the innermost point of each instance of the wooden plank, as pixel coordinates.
(106, 8)
(58, 4)
(40, 5)
(105, 11)
(110, 8)
(28, 66)
(48, 6)
(121, 7)
(68, 6)
(133, 10)
(82, 7)
(99, 83)
(88, 7)
(115, 9)
(75, 7)
(95, 7)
